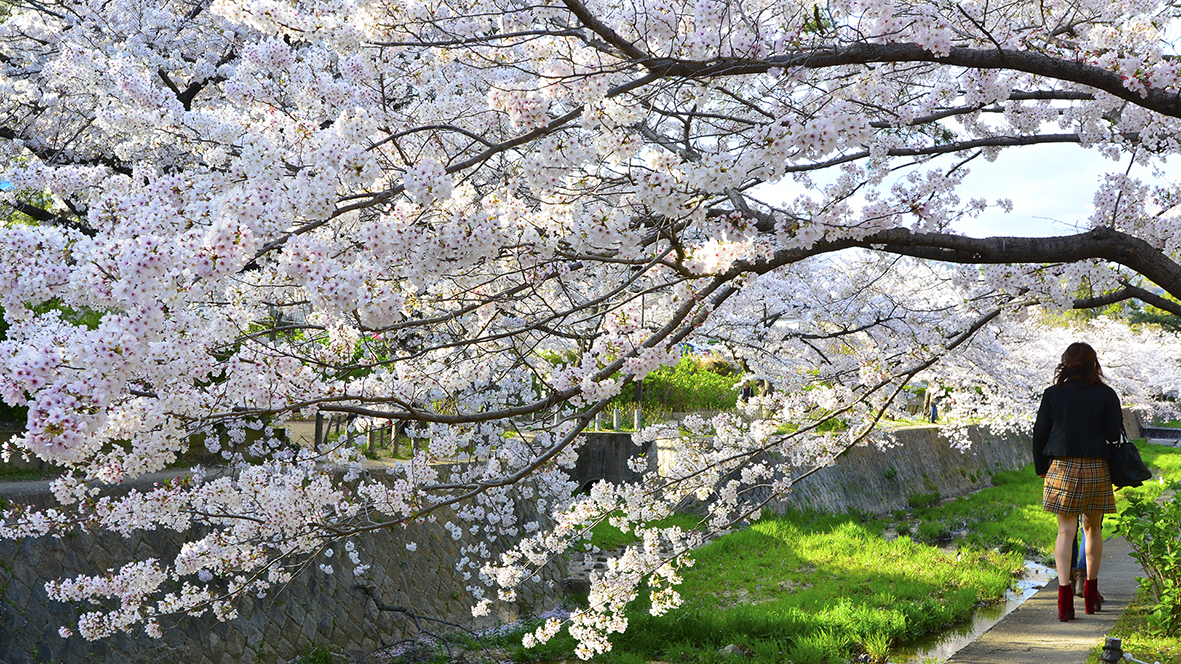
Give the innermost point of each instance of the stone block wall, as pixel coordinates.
(877, 481)
(314, 609)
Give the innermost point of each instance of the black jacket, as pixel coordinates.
(1075, 421)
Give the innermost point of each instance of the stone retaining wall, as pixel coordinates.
(877, 481)
(314, 609)
(604, 456)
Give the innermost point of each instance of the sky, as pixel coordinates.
(1052, 188)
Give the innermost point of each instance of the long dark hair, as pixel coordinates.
(1079, 362)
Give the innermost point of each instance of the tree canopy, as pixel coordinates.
(399, 209)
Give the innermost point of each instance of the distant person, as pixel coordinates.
(1079, 414)
(756, 387)
(748, 392)
(1078, 564)
(931, 402)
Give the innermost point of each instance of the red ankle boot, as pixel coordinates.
(1092, 600)
(1066, 603)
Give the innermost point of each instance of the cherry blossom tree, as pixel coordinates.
(398, 210)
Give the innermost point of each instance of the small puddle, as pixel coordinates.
(939, 647)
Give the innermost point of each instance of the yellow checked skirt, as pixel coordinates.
(1078, 484)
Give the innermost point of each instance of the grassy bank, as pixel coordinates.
(806, 587)
(815, 588)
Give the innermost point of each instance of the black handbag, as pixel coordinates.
(1127, 468)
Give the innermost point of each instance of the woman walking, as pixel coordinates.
(1079, 414)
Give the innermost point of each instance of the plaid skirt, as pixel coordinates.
(1076, 484)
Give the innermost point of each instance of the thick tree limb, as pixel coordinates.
(603, 30)
(46, 217)
(1154, 99)
(1101, 243)
(1129, 292)
(54, 156)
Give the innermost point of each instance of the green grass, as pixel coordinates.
(1007, 515)
(807, 588)
(696, 383)
(14, 474)
(402, 448)
(1165, 463)
(314, 655)
(651, 413)
(920, 500)
(833, 424)
(825, 588)
(916, 421)
(842, 573)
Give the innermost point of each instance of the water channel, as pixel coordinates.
(939, 647)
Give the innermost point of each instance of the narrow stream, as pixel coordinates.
(939, 647)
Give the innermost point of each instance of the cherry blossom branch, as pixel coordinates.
(1159, 100)
(1129, 292)
(1100, 243)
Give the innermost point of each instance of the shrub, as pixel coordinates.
(1154, 532)
(694, 384)
(917, 500)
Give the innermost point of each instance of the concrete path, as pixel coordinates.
(1032, 633)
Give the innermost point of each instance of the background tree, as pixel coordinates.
(395, 209)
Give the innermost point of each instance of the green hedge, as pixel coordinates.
(695, 383)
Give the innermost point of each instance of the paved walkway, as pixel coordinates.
(1032, 634)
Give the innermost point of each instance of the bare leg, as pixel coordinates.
(1067, 527)
(1093, 527)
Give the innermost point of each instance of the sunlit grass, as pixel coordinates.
(814, 588)
(1007, 515)
(607, 537)
(1165, 463)
(916, 421)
